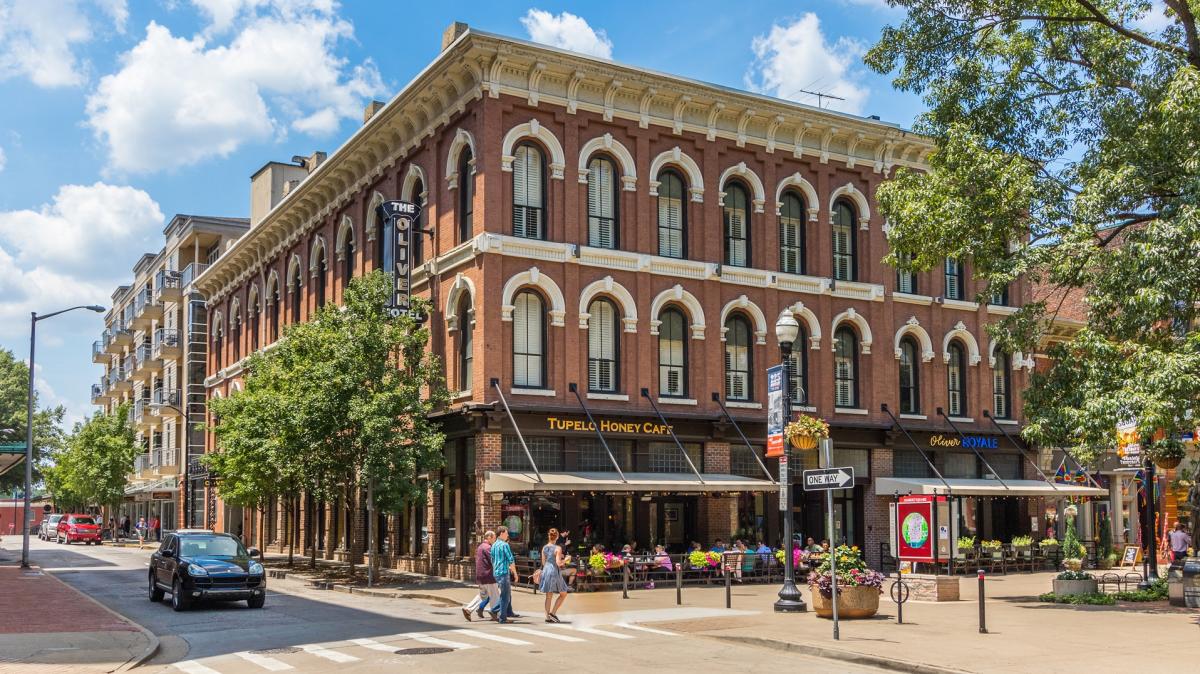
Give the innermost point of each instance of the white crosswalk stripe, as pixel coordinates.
(267, 663)
(322, 652)
(640, 628)
(193, 667)
(592, 630)
(479, 634)
(541, 633)
(458, 645)
(375, 645)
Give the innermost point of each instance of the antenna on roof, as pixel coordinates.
(820, 96)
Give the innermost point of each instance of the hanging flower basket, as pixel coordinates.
(805, 432)
(1166, 453)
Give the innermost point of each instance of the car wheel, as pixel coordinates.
(179, 601)
(156, 594)
(59, 539)
(257, 602)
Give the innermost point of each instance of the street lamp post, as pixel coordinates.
(33, 320)
(790, 601)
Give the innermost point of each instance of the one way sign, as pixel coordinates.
(828, 478)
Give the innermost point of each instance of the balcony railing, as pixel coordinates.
(190, 273)
(98, 392)
(98, 354)
(127, 315)
(165, 339)
(166, 284)
(143, 353)
(162, 396)
(129, 364)
(164, 456)
(116, 376)
(141, 463)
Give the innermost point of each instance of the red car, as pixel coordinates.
(73, 528)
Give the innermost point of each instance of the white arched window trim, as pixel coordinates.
(616, 291)
(803, 313)
(677, 157)
(372, 218)
(317, 244)
(677, 295)
(610, 145)
(218, 325)
(462, 138)
(533, 129)
(797, 181)
(743, 304)
(414, 173)
(345, 235)
(461, 285)
(235, 313)
(293, 275)
(1018, 360)
(235, 387)
(864, 329)
(253, 300)
(863, 208)
(533, 277)
(740, 170)
(272, 287)
(913, 327)
(960, 331)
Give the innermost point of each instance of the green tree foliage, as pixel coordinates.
(47, 423)
(341, 402)
(1067, 154)
(94, 465)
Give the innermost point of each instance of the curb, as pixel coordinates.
(383, 594)
(134, 661)
(891, 664)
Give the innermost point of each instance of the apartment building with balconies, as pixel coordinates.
(153, 350)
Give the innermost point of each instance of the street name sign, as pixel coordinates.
(828, 478)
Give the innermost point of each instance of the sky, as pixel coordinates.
(116, 114)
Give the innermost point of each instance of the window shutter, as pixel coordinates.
(601, 347)
(999, 390)
(601, 206)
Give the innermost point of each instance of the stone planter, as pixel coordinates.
(1067, 587)
(853, 602)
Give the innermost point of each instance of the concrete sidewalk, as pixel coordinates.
(48, 626)
(1024, 635)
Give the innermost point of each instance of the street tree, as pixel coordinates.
(47, 422)
(1066, 153)
(93, 466)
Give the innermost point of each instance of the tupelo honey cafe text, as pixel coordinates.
(608, 426)
(968, 442)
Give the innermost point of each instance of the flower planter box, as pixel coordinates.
(853, 602)
(1067, 587)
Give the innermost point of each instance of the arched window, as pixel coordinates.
(529, 341)
(218, 348)
(956, 380)
(347, 263)
(845, 244)
(529, 197)
(320, 279)
(906, 281)
(672, 215)
(254, 325)
(910, 378)
(737, 226)
(296, 298)
(1000, 296)
(1001, 385)
(381, 252)
(466, 343)
(274, 316)
(466, 196)
(603, 340)
(672, 354)
(415, 236)
(954, 279)
(739, 384)
(603, 228)
(845, 368)
(791, 234)
(798, 364)
(235, 337)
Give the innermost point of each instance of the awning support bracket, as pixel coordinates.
(717, 399)
(596, 427)
(528, 454)
(646, 395)
(883, 407)
(1020, 449)
(942, 414)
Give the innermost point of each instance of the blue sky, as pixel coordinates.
(118, 114)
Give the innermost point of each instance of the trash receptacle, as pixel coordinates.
(1183, 583)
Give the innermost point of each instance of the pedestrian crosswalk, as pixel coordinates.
(316, 657)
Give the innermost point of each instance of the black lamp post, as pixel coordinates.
(790, 601)
(1150, 561)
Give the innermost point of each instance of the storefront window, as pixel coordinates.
(664, 457)
(1008, 466)
(547, 453)
(742, 461)
(960, 464)
(908, 463)
(592, 456)
(449, 499)
(859, 459)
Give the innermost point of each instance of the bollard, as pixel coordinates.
(728, 588)
(982, 619)
(625, 581)
(679, 583)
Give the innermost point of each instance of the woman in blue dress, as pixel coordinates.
(552, 581)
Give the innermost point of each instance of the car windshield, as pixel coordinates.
(82, 520)
(55, 518)
(211, 546)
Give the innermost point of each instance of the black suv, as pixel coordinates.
(200, 564)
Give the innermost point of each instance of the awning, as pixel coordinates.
(520, 481)
(887, 486)
(11, 455)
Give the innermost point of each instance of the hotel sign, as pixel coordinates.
(965, 442)
(608, 426)
(399, 218)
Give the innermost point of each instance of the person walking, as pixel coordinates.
(488, 592)
(125, 526)
(156, 527)
(504, 569)
(141, 532)
(552, 582)
(1180, 542)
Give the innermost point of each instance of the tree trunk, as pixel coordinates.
(311, 539)
(371, 534)
(293, 506)
(349, 503)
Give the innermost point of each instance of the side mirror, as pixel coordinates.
(254, 552)
(168, 553)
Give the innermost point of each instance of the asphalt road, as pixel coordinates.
(307, 630)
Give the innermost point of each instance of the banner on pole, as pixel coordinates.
(775, 418)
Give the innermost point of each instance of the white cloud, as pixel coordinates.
(72, 250)
(797, 56)
(37, 38)
(566, 31)
(177, 101)
(118, 11)
(1155, 19)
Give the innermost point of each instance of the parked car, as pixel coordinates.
(49, 528)
(194, 564)
(73, 527)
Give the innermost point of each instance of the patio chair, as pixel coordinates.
(996, 559)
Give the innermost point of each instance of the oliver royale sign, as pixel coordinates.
(968, 442)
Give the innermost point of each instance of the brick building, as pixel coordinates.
(609, 229)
